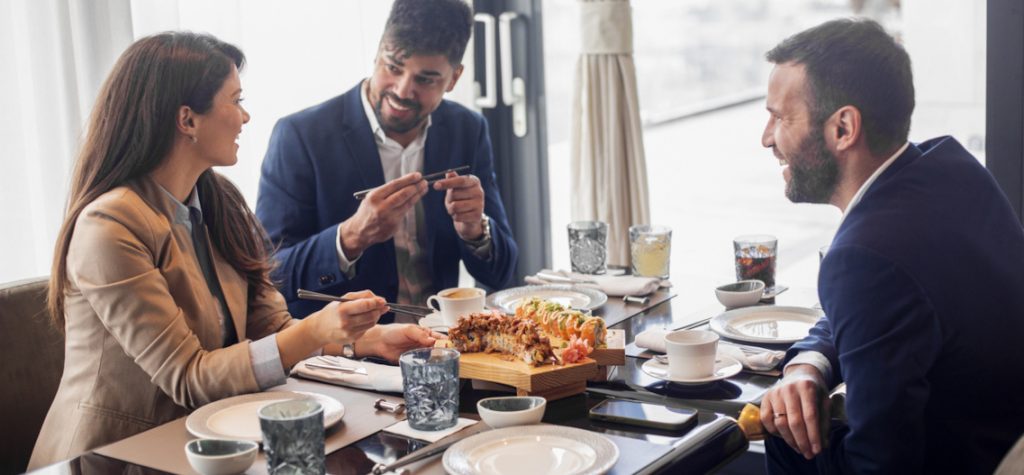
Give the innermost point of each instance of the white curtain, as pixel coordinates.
(610, 176)
(56, 54)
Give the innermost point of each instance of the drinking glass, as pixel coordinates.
(650, 247)
(755, 258)
(431, 380)
(293, 436)
(588, 241)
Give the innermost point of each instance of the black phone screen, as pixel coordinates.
(643, 414)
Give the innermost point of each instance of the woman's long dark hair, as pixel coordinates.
(131, 131)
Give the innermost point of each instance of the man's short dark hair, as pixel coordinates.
(429, 27)
(855, 62)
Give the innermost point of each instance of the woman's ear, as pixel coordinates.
(186, 122)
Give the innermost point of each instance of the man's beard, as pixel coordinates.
(813, 171)
(399, 127)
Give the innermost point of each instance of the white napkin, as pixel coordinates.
(765, 360)
(378, 377)
(653, 339)
(402, 428)
(613, 285)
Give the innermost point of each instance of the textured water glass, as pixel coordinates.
(293, 437)
(650, 247)
(431, 380)
(755, 258)
(588, 246)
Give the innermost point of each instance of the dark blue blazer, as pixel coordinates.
(923, 288)
(319, 156)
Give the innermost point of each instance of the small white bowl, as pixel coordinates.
(220, 456)
(740, 294)
(511, 410)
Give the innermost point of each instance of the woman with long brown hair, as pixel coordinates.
(160, 277)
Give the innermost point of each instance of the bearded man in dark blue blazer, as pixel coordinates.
(922, 286)
(405, 240)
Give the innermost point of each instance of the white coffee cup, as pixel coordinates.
(455, 302)
(691, 353)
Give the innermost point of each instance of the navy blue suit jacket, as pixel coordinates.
(923, 288)
(321, 155)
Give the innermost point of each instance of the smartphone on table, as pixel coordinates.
(642, 414)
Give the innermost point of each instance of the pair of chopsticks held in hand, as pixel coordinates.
(431, 179)
(414, 310)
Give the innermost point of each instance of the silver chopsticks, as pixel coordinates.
(431, 179)
(413, 310)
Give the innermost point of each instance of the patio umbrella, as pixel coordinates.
(610, 179)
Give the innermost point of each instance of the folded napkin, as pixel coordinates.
(378, 377)
(756, 360)
(613, 285)
(402, 428)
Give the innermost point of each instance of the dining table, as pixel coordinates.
(359, 442)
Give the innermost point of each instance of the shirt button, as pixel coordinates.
(326, 279)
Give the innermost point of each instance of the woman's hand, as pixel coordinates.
(390, 341)
(346, 322)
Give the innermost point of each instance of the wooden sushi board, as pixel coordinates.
(550, 381)
(609, 356)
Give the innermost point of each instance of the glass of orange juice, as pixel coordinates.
(650, 247)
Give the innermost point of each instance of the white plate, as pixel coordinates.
(530, 450)
(434, 322)
(766, 323)
(568, 295)
(238, 417)
(725, 367)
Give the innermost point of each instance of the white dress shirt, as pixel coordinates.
(414, 278)
(815, 358)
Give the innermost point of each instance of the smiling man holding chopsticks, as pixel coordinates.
(345, 191)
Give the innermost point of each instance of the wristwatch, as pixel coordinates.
(348, 350)
(485, 236)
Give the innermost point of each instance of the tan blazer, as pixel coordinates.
(143, 342)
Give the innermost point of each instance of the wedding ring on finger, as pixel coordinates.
(780, 415)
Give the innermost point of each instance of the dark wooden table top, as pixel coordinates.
(712, 443)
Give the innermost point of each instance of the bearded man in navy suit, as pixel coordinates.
(405, 240)
(922, 286)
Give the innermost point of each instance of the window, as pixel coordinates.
(702, 76)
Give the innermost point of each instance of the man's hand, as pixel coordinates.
(390, 341)
(796, 409)
(378, 215)
(465, 204)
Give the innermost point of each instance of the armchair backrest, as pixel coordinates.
(32, 356)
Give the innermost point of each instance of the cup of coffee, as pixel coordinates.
(455, 302)
(691, 353)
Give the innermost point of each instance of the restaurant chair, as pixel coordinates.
(32, 351)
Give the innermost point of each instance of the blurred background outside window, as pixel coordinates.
(702, 77)
(700, 69)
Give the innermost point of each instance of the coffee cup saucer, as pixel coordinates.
(434, 322)
(725, 367)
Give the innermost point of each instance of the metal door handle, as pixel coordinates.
(489, 100)
(513, 89)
